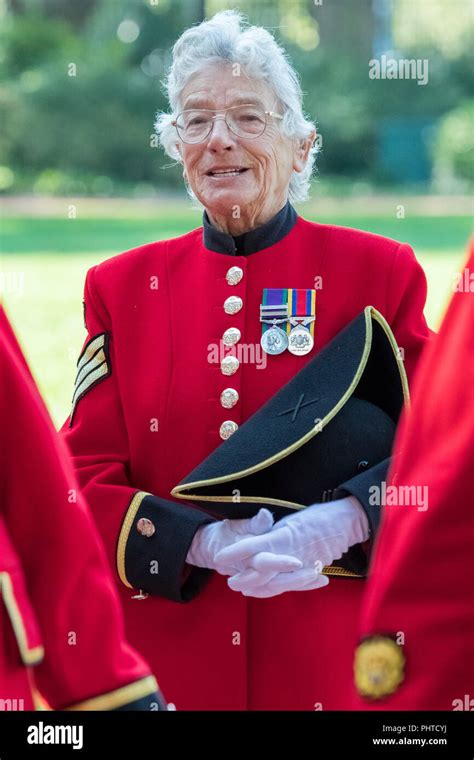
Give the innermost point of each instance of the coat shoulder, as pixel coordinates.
(128, 264)
(358, 244)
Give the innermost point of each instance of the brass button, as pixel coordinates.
(231, 336)
(234, 275)
(233, 304)
(227, 429)
(229, 398)
(229, 365)
(145, 527)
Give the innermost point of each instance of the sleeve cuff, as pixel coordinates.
(143, 692)
(153, 544)
(363, 486)
(152, 703)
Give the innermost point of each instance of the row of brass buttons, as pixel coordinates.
(230, 364)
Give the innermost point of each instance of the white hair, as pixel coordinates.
(227, 37)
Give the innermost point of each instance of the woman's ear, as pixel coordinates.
(302, 151)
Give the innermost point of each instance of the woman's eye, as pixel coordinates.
(249, 117)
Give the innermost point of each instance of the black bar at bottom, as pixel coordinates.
(321, 734)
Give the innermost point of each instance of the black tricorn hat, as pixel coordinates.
(309, 438)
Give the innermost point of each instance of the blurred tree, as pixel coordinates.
(453, 146)
(75, 13)
(434, 24)
(344, 26)
(81, 82)
(83, 104)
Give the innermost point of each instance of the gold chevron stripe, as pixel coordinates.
(90, 349)
(90, 365)
(93, 365)
(99, 371)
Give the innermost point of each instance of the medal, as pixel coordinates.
(274, 311)
(274, 341)
(301, 317)
(288, 316)
(300, 341)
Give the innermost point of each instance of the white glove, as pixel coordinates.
(211, 539)
(317, 535)
(252, 583)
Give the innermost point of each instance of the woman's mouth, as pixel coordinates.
(226, 173)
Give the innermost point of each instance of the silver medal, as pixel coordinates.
(274, 341)
(300, 341)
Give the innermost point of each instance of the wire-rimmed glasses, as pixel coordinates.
(249, 121)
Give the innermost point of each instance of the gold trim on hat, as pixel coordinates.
(181, 491)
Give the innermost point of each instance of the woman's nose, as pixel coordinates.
(221, 135)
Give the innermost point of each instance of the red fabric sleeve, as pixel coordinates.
(406, 299)
(61, 558)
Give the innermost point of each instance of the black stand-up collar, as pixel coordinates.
(250, 242)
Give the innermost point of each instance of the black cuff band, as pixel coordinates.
(361, 486)
(153, 544)
(151, 703)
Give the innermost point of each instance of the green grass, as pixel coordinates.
(63, 236)
(45, 261)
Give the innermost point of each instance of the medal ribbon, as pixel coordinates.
(277, 297)
(302, 307)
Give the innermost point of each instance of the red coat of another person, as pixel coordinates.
(417, 624)
(147, 410)
(61, 626)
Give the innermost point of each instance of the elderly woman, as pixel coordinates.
(150, 403)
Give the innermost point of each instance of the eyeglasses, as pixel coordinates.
(195, 124)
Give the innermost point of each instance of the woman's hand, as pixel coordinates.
(317, 536)
(252, 583)
(211, 539)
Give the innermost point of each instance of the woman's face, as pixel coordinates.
(260, 191)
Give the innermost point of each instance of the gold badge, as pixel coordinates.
(379, 666)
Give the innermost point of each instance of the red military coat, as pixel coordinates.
(149, 411)
(61, 627)
(417, 619)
